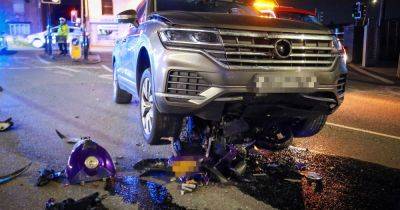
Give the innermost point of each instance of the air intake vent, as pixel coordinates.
(341, 85)
(185, 83)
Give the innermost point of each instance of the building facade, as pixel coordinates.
(20, 17)
(102, 24)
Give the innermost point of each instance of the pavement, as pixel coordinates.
(357, 152)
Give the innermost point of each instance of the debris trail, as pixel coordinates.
(13, 175)
(92, 202)
(67, 139)
(5, 125)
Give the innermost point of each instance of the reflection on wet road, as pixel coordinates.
(347, 183)
(148, 195)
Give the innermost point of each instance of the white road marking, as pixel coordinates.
(106, 76)
(107, 68)
(64, 73)
(362, 71)
(16, 68)
(21, 57)
(86, 67)
(68, 69)
(364, 131)
(393, 91)
(41, 60)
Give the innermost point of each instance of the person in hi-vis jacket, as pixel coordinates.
(62, 35)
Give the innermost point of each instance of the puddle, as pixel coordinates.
(146, 194)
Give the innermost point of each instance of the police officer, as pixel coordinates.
(62, 35)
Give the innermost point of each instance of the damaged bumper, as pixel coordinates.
(190, 81)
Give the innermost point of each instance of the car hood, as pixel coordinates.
(37, 35)
(240, 22)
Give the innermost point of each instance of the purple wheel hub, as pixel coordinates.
(89, 162)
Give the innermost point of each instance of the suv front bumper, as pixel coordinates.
(226, 85)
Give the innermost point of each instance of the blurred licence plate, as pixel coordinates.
(265, 83)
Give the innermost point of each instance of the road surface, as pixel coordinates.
(363, 137)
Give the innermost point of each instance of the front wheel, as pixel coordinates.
(310, 126)
(154, 124)
(37, 43)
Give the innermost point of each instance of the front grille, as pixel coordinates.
(341, 85)
(252, 50)
(185, 83)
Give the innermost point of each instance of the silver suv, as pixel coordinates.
(221, 59)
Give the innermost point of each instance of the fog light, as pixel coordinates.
(91, 162)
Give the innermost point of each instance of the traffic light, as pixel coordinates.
(363, 11)
(51, 1)
(357, 11)
(74, 16)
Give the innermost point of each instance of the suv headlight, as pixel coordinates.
(339, 48)
(190, 37)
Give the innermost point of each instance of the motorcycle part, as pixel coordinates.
(89, 162)
(13, 175)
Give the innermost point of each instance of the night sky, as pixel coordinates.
(339, 11)
(335, 11)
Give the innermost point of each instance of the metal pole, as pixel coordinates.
(381, 19)
(49, 38)
(382, 12)
(398, 68)
(85, 38)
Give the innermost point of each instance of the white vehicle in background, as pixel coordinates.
(39, 39)
(3, 43)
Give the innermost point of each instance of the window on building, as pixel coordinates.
(107, 7)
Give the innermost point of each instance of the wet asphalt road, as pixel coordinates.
(357, 151)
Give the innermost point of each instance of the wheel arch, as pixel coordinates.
(143, 63)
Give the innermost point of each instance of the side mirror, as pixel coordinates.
(127, 16)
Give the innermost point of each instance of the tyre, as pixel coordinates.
(37, 43)
(309, 127)
(120, 96)
(154, 124)
(275, 137)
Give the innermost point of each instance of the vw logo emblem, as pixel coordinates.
(283, 48)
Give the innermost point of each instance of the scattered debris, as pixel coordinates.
(47, 175)
(67, 139)
(5, 125)
(188, 186)
(139, 144)
(159, 164)
(13, 175)
(92, 202)
(315, 180)
(300, 166)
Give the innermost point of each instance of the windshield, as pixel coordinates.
(298, 17)
(240, 7)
